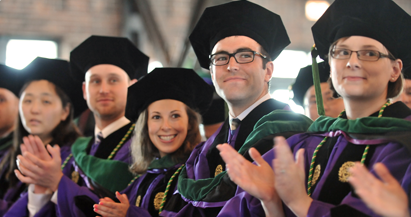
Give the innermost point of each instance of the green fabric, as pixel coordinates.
(316, 80)
(366, 125)
(6, 142)
(277, 121)
(162, 163)
(111, 174)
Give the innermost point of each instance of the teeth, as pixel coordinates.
(167, 138)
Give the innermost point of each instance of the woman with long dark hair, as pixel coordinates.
(166, 132)
(46, 110)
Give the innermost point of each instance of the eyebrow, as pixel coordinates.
(238, 50)
(43, 94)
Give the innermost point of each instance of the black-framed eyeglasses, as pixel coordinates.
(366, 55)
(241, 57)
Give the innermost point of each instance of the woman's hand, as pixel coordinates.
(108, 208)
(290, 177)
(41, 169)
(385, 197)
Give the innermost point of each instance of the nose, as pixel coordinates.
(166, 125)
(104, 87)
(353, 61)
(232, 64)
(34, 107)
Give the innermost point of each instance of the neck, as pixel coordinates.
(46, 139)
(237, 107)
(6, 132)
(103, 122)
(359, 108)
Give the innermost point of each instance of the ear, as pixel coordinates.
(397, 68)
(66, 111)
(269, 70)
(84, 90)
(132, 82)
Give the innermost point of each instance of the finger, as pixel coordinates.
(33, 160)
(27, 167)
(384, 174)
(23, 148)
(40, 146)
(106, 199)
(22, 178)
(299, 158)
(229, 154)
(55, 153)
(103, 211)
(28, 144)
(122, 198)
(32, 140)
(282, 152)
(256, 156)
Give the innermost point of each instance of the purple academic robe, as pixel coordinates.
(132, 190)
(198, 164)
(19, 208)
(395, 156)
(68, 190)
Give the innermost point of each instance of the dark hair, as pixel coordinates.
(143, 150)
(394, 88)
(265, 53)
(65, 133)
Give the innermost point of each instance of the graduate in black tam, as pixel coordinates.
(304, 92)
(237, 42)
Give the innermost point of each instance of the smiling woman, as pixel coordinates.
(167, 130)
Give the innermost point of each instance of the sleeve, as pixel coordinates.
(36, 201)
(137, 211)
(67, 192)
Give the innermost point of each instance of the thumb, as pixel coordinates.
(122, 198)
(256, 156)
(299, 158)
(55, 153)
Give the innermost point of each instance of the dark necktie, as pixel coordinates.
(235, 123)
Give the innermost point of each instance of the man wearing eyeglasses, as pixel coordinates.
(237, 42)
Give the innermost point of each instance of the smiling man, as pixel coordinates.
(237, 42)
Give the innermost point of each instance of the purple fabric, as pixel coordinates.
(196, 171)
(19, 208)
(68, 190)
(395, 156)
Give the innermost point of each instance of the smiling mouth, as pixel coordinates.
(167, 138)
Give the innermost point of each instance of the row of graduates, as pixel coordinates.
(173, 176)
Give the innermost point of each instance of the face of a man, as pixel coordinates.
(240, 85)
(105, 89)
(332, 106)
(9, 107)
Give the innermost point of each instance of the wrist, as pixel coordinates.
(55, 185)
(301, 206)
(273, 207)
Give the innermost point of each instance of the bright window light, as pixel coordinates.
(288, 64)
(286, 96)
(153, 65)
(281, 95)
(19, 53)
(315, 9)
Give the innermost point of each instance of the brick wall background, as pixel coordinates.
(71, 21)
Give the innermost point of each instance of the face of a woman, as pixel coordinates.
(167, 125)
(359, 79)
(41, 109)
